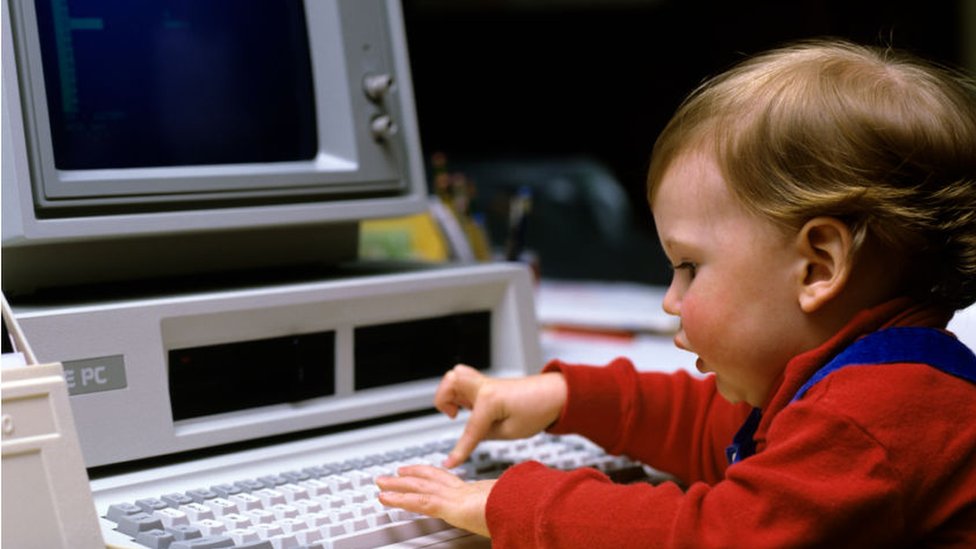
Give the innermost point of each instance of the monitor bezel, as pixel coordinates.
(349, 160)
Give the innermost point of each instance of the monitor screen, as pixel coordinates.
(162, 83)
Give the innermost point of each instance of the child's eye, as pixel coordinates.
(691, 268)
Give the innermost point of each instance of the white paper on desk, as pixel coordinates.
(621, 306)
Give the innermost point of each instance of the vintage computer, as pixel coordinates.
(182, 186)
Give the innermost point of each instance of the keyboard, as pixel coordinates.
(332, 504)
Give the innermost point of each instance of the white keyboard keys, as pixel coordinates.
(316, 520)
(260, 516)
(270, 497)
(308, 506)
(197, 511)
(387, 534)
(246, 502)
(172, 517)
(284, 541)
(309, 537)
(293, 492)
(236, 520)
(283, 511)
(222, 506)
(292, 525)
(267, 531)
(244, 535)
(316, 487)
(338, 483)
(211, 527)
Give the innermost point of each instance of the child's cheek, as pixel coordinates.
(701, 322)
(692, 321)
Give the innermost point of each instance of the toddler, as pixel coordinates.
(818, 205)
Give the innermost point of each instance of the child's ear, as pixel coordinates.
(824, 245)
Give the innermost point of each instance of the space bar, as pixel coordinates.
(388, 533)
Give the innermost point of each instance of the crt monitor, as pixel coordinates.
(168, 137)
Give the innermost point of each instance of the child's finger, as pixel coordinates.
(445, 398)
(428, 472)
(475, 430)
(457, 389)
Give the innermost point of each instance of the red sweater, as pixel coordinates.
(871, 457)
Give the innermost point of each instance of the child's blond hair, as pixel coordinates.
(878, 139)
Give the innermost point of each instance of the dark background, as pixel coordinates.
(543, 79)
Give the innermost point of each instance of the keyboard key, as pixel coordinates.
(263, 544)
(356, 524)
(359, 478)
(378, 519)
(283, 511)
(246, 502)
(149, 505)
(211, 542)
(121, 509)
(212, 527)
(330, 502)
(352, 497)
(225, 490)
(316, 487)
(272, 481)
(222, 506)
(139, 522)
(292, 525)
(369, 508)
(316, 520)
(244, 535)
(308, 506)
(269, 497)
(317, 471)
(185, 532)
(284, 541)
(250, 485)
(202, 494)
(267, 531)
(338, 483)
(388, 534)
(234, 521)
(295, 476)
(172, 517)
(176, 499)
(260, 516)
(197, 511)
(309, 537)
(293, 492)
(155, 539)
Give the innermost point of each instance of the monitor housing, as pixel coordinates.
(143, 140)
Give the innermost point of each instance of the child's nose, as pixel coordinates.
(672, 301)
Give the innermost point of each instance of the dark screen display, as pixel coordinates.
(152, 83)
(237, 376)
(387, 354)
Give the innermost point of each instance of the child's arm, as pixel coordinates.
(500, 408)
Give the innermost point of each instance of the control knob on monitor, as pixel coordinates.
(383, 127)
(376, 86)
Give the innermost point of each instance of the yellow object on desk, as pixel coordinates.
(410, 237)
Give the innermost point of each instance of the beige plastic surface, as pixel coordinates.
(47, 499)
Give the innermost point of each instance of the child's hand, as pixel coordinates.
(500, 408)
(437, 493)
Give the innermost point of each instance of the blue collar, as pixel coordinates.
(891, 345)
